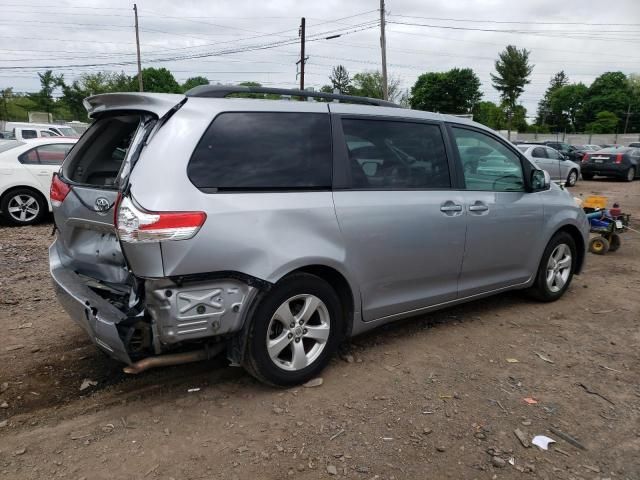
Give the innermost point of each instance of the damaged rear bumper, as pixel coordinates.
(93, 313)
(176, 313)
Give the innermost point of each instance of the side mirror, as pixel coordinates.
(540, 180)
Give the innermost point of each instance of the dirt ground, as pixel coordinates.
(438, 396)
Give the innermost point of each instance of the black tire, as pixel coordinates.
(599, 245)
(257, 360)
(572, 178)
(614, 242)
(540, 290)
(631, 174)
(25, 195)
(587, 176)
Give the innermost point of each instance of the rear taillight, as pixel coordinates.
(136, 225)
(619, 158)
(59, 191)
(585, 159)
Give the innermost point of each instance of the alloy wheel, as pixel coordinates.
(558, 268)
(23, 208)
(631, 173)
(298, 332)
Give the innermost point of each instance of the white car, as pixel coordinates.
(26, 170)
(560, 168)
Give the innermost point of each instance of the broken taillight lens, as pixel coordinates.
(58, 191)
(135, 225)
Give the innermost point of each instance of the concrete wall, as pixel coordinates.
(576, 138)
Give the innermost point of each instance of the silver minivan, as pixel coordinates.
(272, 230)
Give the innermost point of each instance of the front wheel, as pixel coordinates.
(294, 331)
(556, 268)
(572, 178)
(631, 174)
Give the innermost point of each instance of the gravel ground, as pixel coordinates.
(438, 396)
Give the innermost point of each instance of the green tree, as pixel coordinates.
(489, 114)
(455, 91)
(633, 124)
(610, 92)
(340, 80)
(545, 114)
(193, 82)
(512, 74)
(605, 122)
(93, 84)
(519, 119)
(369, 84)
(43, 99)
(158, 80)
(568, 103)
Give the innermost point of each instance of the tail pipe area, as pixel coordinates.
(174, 359)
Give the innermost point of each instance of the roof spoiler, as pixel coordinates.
(157, 103)
(222, 91)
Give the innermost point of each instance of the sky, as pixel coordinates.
(248, 40)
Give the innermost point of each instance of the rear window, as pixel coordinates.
(29, 134)
(263, 150)
(98, 156)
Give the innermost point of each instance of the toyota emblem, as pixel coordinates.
(102, 204)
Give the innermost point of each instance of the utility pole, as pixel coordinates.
(135, 13)
(383, 47)
(626, 123)
(302, 59)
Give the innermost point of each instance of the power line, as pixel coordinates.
(519, 32)
(239, 49)
(523, 22)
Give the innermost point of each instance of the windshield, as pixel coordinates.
(67, 131)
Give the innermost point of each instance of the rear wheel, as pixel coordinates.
(631, 174)
(294, 331)
(23, 206)
(599, 245)
(587, 176)
(572, 178)
(556, 268)
(614, 242)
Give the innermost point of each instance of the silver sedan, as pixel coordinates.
(560, 168)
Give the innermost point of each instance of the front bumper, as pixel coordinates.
(605, 169)
(93, 313)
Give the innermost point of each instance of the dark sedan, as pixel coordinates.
(619, 162)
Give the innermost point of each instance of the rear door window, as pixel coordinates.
(395, 155)
(29, 157)
(539, 152)
(263, 151)
(99, 155)
(53, 154)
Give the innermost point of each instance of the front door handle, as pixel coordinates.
(450, 208)
(478, 207)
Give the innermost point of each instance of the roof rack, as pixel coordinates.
(222, 91)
